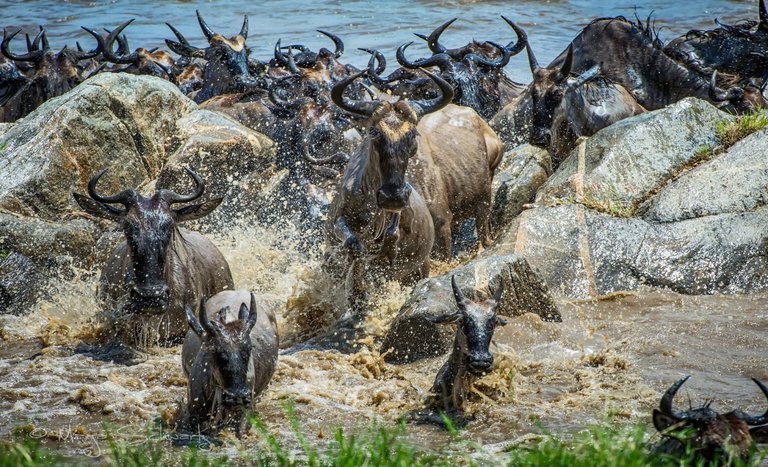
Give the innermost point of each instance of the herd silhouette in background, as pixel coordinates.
(412, 155)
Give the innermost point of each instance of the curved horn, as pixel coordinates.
(522, 38)
(5, 47)
(172, 197)
(565, 70)
(106, 45)
(125, 197)
(500, 63)
(433, 105)
(336, 42)
(439, 60)
(534, 64)
(380, 59)
(760, 419)
(461, 300)
(204, 26)
(183, 47)
(364, 109)
(433, 40)
(252, 314)
(203, 319)
(244, 28)
(285, 60)
(666, 400)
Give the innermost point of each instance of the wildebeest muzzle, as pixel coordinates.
(394, 198)
(240, 398)
(480, 365)
(153, 299)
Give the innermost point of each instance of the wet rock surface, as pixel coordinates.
(19, 284)
(412, 336)
(517, 179)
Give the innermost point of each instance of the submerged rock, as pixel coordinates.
(413, 336)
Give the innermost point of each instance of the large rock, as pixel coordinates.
(113, 120)
(413, 336)
(631, 159)
(226, 154)
(736, 181)
(522, 171)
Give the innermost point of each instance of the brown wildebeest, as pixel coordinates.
(475, 71)
(379, 226)
(453, 156)
(470, 358)
(228, 357)
(160, 269)
(712, 436)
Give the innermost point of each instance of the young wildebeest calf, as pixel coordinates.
(710, 435)
(471, 356)
(228, 357)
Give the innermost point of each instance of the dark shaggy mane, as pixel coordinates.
(647, 29)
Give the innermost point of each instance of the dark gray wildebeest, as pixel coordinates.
(629, 54)
(452, 152)
(565, 108)
(470, 357)
(738, 52)
(707, 434)
(476, 70)
(228, 357)
(51, 74)
(227, 68)
(160, 269)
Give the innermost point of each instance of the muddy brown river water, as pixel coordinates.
(609, 357)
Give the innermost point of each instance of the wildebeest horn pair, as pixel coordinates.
(204, 326)
(366, 109)
(512, 48)
(209, 32)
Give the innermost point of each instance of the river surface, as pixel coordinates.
(550, 25)
(609, 357)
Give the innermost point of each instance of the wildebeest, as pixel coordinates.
(52, 74)
(475, 71)
(141, 61)
(470, 356)
(228, 357)
(712, 436)
(740, 50)
(565, 108)
(160, 269)
(453, 154)
(630, 55)
(226, 69)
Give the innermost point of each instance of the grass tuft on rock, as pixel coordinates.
(729, 132)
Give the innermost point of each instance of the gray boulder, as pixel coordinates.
(628, 161)
(522, 171)
(413, 336)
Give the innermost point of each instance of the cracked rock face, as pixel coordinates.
(636, 206)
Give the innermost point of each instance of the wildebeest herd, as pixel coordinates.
(411, 155)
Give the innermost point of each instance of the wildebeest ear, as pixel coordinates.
(194, 323)
(759, 434)
(98, 209)
(662, 421)
(449, 318)
(196, 211)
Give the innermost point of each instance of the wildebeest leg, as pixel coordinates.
(391, 236)
(350, 242)
(357, 294)
(443, 238)
(483, 224)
